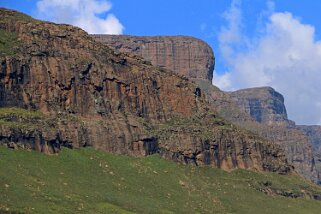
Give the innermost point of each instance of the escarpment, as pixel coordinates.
(184, 55)
(264, 105)
(208, 140)
(60, 70)
(87, 94)
(314, 133)
(260, 110)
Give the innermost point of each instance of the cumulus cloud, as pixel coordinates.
(230, 36)
(285, 55)
(90, 15)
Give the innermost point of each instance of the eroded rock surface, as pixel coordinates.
(264, 104)
(90, 95)
(266, 117)
(260, 110)
(184, 55)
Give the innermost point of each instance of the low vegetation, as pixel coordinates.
(91, 181)
(8, 43)
(24, 113)
(20, 118)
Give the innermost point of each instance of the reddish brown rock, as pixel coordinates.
(91, 95)
(262, 111)
(184, 55)
(207, 140)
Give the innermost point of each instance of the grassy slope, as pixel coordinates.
(90, 181)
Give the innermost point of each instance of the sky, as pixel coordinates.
(256, 43)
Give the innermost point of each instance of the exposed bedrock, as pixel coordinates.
(260, 110)
(264, 105)
(91, 95)
(184, 55)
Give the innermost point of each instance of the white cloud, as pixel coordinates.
(285, 56)
(89, 15)
(230, 35)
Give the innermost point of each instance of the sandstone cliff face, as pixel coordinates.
(184, 55)
(59, 69)
(208, 140)
(262, 111)
(314, 134)
(90, 95)
(265, 105)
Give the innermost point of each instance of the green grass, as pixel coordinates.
(20, 118)
(203, 125)
(8, 43)
(5, 112)
(9, 15)
(91, 181)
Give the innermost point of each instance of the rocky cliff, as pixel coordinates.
(79, 92)
(184, 55)
(264, 105)
(314, 135)
(260, 110)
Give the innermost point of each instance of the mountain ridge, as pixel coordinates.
(260, 110)
(116, 102)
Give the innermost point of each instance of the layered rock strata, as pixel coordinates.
(264, 105)
(260, 110)
(90, 95)
(184, 55)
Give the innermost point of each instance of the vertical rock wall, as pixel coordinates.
(184, 55)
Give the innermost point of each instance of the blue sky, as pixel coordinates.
(256, 42)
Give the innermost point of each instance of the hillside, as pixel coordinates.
(86, 128)
(92, 181)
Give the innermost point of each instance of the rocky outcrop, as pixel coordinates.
(314, 134)
(260, 110)
(184, 55)
(264, 105)
(208, 140)
(90, 95)
(59, 69)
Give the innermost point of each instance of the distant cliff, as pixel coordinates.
(314, 133)
(262, 111)
(184, 55)
(264, 104)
